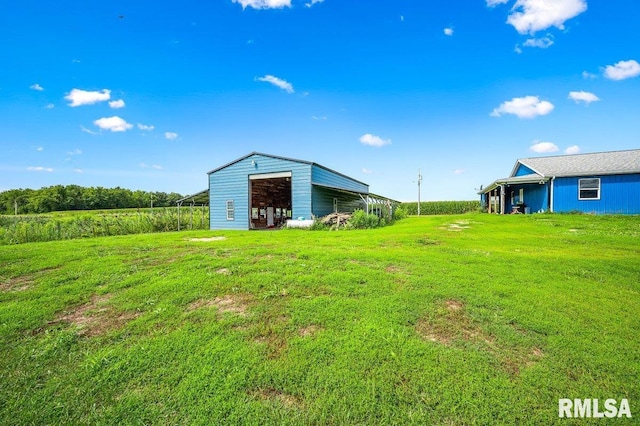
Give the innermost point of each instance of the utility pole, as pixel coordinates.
(15, 206)
(419, 182)
(152, 202)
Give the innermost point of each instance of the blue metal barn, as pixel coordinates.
(602, 183)
(260, 191)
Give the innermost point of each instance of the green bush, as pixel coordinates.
(399, 213)
(318, 226)
(361, 220)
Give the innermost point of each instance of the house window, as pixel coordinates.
(513, 198)
(230, 210)
(589, 189)
(521, 201)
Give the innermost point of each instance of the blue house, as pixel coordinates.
(260, 191)
(602, 183)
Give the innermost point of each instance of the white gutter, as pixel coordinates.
(551, 198)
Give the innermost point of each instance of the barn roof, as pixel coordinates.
(599, 163)
(285, 159)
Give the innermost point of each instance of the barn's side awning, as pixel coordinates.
(200, 198)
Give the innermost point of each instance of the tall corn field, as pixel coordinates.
(442, 207)
(61, 226)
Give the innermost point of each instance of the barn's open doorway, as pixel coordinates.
(269, 200)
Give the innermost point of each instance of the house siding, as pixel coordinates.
(324, 177)
(619, 194)
(536, 196)
(523, 170)
(322, 200)
(232, 183)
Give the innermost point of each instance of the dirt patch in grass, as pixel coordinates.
(273, 332)
(95, 317)
(223, 271)
(450, 325)
(229, 303)
(20, 283)
(309, 330)
(23, 282)
(277, 396)
(457, 226)
(208, 239)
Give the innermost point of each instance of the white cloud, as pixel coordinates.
(40, 169)
(544, 147)
(318, 118)
(284, 85)
(171, 136)
(367, 171)
(114, 124)
(530, 16)
(574, 149)
(582, 96)
(448, 31)
(91, 132)
(373, 140)
(82, 97)
(39, 149)
(50, 106)
(622, 70)
(313, 2)
(542, 43)
(117, 104)
(151, 166)
(517, 49)
(401, 18)
(458, 171)
(526, 107)
(145, 127)
(588, 76)
(264, 4)
(36, 87)
(78, 171)
(75, 152)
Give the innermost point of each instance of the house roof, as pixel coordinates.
(514, 180)
(285, 159)
(599, 163)
(545, 168)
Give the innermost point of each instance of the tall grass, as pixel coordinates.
(64, 226)
(442, 207)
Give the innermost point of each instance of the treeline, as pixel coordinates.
(442, 207)
(74, 197)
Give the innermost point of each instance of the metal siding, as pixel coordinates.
(322, 200)
(523, 170)
(232, 183)
(325, 177)
(619, 194)
(535, 196)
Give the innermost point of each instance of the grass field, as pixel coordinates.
(469, 319)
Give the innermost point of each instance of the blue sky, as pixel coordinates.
(153, 94)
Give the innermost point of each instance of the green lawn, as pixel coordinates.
(469, 319)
